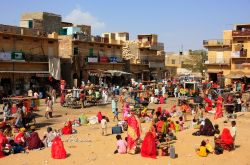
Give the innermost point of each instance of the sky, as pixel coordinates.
(179, 23)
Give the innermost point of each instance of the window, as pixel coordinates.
(118, 47)
(76, 51)
(30, 24)
(109, 46)
(5, 37)
(51, 42)
(101, 45)
(91, 44)
(173, 61)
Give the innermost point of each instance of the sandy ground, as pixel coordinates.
(99, 151)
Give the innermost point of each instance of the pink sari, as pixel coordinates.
(133, 133)
(126, 110)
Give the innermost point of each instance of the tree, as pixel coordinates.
(195, 61)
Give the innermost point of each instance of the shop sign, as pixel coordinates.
(92, 59)
(114, 59)
(104, 59)
(17, 56)
(5, 56)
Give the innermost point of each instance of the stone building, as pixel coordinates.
(24, 55)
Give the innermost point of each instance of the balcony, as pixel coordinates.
(241, 33)
(158, 46)
(218, 61)
(239, 54)
(221, 43)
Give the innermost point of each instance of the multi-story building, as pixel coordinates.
(91, 56)
(173, 63)
(43, 21)
(229, 58)
(147, 57)
(24, 55)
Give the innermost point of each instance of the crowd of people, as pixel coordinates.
(165, 123)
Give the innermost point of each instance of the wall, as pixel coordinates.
(29, 45)
(65, 46)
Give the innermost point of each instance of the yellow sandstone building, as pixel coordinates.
(229, 58)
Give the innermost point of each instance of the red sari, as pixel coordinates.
(3, 140)
(67, 129)
(148, 147)
(218, 113)
(133, 133)
(99, 116)
(209, 104)
(57, 149)
(226, 140)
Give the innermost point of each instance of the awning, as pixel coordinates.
(22, 71)
(154, 72)
(116, 72)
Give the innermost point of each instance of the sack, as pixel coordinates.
(116, 130)
(218, 150)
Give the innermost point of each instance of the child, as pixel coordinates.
(121, 145)
(177, 126)
(233, 129)
(104, 126)
(116, 114)
(216, 131)
(194, 124)
(181, 122)
(202, 151)
(209, 147)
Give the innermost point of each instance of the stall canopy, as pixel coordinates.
(103, 73)
(116, 72)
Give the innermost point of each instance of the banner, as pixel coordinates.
(5, 56)
(55, 68)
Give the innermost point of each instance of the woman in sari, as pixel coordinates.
(148, 147)
(225, 141)
(207, 129)
(67, 129)
(34, 141)
(209, 104)
(125, 111)
(218, 113)
(134, 131)
(99, 116)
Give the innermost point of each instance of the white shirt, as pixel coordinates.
(233, 132)
(104, 123)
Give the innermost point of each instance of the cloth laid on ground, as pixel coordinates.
(83, 119)
(93, 120)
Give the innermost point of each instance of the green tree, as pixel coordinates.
(195, 61)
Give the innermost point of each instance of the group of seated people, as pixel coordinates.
(14, 140)
(161, 132)
(223, 141)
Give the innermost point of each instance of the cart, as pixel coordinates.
(72, 98)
